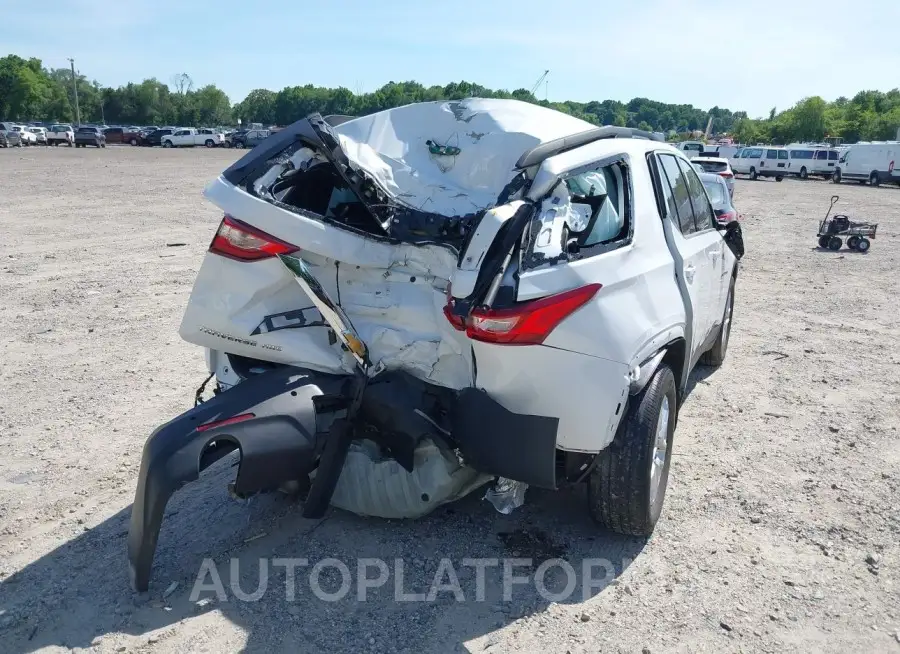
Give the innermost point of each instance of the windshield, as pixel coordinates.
(713, 166)
(716, 192)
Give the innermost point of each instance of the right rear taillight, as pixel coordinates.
(237, 240)
(528, 323)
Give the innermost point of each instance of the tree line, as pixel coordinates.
(29, 91)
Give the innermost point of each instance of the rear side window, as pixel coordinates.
(782, 154)
(704, 218)
(771, 154)
(821, 154)
(832, 155)
(676, 194)
(713, 166)
(801, 154)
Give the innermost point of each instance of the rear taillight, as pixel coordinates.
(528, 323)
(237, 240)
(726, 216)
(726, 174)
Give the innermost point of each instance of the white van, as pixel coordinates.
(761, 161)
(869, 162)
(806, 160)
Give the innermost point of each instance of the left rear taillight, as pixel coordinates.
(240, 241)
(727, 174)
(528, 323)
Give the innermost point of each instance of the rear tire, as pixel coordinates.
(804, 174)
(836, 177)
(835, 243)
(823, 242)
(715, 356)
(133, 142)
(852, 242)
(874, 180)
(209, 143)
(627, 488)
(753, 174)
(863, 245)
(778, 178)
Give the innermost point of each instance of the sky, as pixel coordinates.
(735, 54)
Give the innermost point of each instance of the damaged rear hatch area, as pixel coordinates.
(326, 299)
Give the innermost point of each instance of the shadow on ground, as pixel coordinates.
(81, 591)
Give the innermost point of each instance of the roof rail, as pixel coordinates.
(551, 148)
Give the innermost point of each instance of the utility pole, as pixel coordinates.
(75, 87)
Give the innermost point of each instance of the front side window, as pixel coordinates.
(677, 194)
(832, 155)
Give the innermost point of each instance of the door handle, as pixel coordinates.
(689, 273)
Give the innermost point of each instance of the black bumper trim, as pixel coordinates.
(277, 445)
(499, 442)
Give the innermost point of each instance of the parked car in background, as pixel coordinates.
(114, 134)
(189, 137)
(875, 163)
(156, 136)
(27, 137)
(717, 166)
(40, 133)
(6, 127)
(61, 134)
(816, 160)
(132, 135)
(10, 139)
(691, 148)
(85, 136)
(720, 196)
(761, 161)
(249, 138)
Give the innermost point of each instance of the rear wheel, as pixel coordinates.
(823, 242)
(863, 245)
(209, 143)
(804, 173)
(715, 356)
(778, 178)
(836, 177)
(874, 180)
(835, 243)
(133, 142)
(852, 241)
(627, 488)
(753, 173)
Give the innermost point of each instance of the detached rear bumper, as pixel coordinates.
(272, 419)
(274, 429)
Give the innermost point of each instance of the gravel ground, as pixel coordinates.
(781, 526)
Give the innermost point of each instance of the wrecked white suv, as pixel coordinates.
(401, 307)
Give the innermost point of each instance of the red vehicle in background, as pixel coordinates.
(133, 135)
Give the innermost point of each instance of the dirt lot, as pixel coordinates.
(782, 523)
